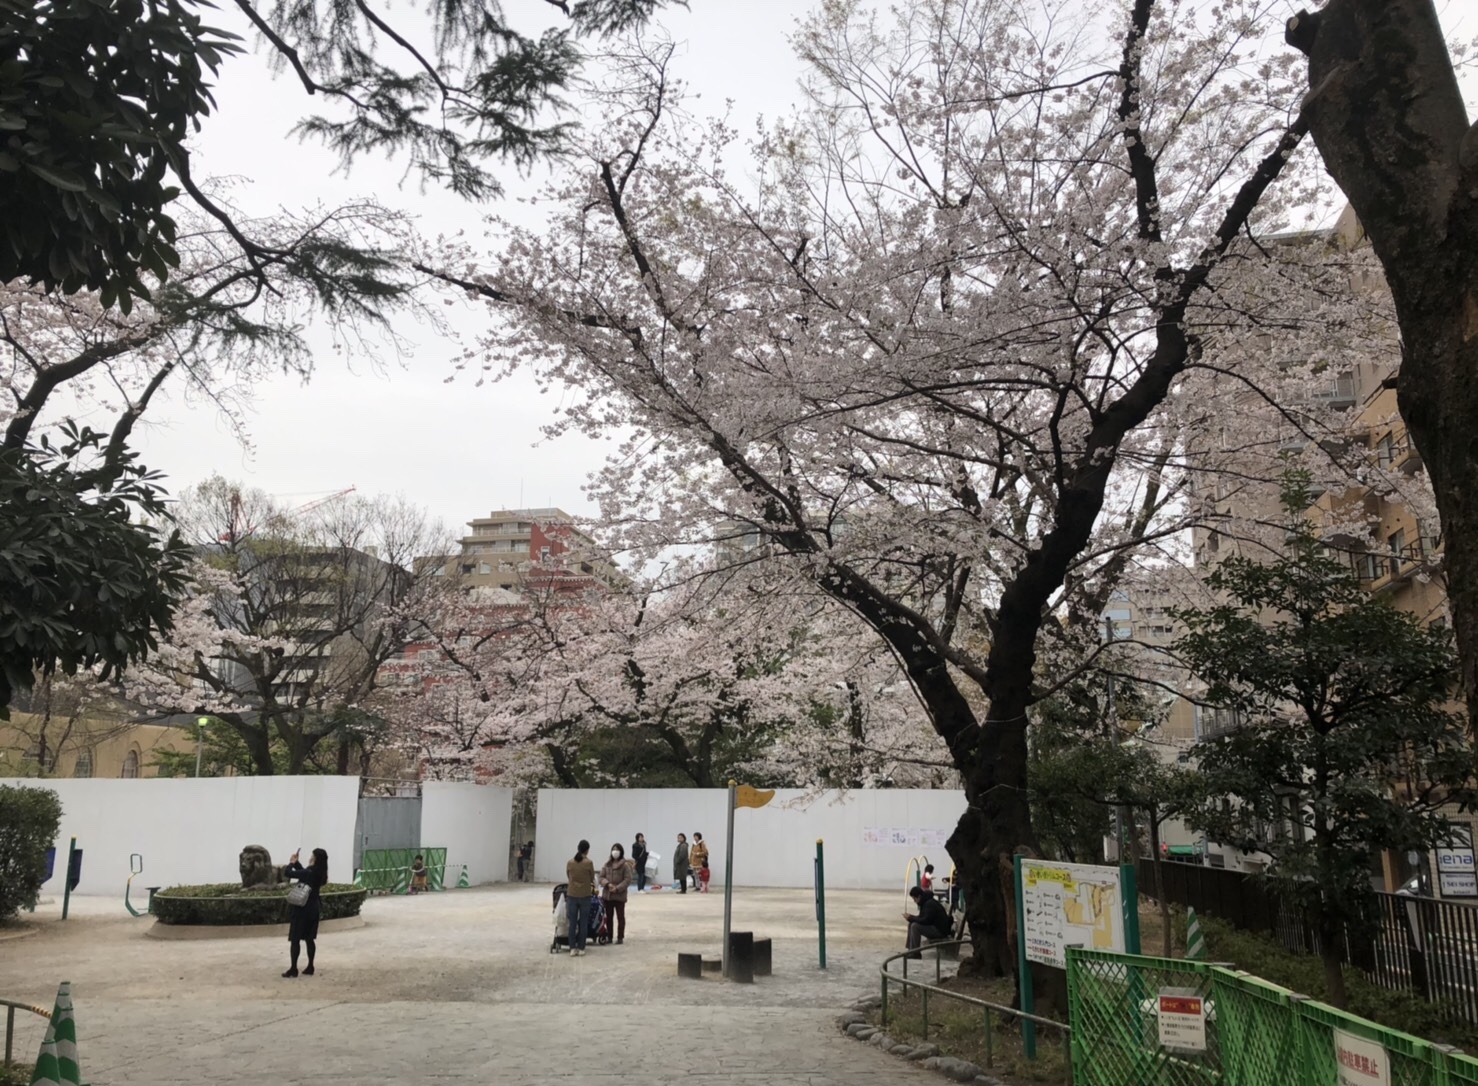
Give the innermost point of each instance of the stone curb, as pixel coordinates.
(157, 930)
(854, 1024)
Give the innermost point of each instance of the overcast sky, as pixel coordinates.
(457, 450)
(454, 449)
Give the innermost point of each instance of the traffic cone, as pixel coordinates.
(1195, 942)
(57, 1063)
(463, 883)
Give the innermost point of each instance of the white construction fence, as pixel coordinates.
(870, 834)
(192, 831)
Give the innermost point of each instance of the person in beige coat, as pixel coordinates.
(615, 881)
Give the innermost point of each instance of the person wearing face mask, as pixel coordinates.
(615, 879)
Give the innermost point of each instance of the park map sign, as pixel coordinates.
(1065, 905)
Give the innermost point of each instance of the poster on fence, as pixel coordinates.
(903, 837)
(1359, 1062)
(1070, 904)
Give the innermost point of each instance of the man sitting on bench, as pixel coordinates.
(931, 922)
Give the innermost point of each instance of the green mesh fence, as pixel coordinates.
(389, 869)
(1244, 1032)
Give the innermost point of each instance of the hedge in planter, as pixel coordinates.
(226, 903)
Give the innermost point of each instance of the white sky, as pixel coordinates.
(454, 449)
(459, 451)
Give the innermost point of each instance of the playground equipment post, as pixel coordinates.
(821, 901)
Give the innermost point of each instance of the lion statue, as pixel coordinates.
(257, 868)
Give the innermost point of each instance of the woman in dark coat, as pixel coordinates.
(303, 919)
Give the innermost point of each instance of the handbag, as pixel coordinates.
(298, 893)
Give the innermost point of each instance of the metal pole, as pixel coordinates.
(1024, 971)
(729, 875)
(67, 879)
(821, 904)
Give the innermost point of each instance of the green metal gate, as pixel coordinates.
(1249, 1032)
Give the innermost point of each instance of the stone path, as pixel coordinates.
(460, 987)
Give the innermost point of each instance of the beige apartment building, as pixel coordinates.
(513, 549)
(1377, 515)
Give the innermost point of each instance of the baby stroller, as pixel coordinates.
(597, 931)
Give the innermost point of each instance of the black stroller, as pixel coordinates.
(597, 931)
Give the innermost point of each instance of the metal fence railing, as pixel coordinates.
(906, 982)
(1244, 1032)
(1423, 945)
(11, 1006)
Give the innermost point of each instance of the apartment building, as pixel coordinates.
(1372, 508)
(521, 548)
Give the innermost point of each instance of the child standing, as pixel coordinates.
(703, 877)
(418, 876)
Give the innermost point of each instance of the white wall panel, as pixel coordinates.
(192, 831)
(773, 846)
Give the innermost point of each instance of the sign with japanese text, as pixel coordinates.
(1359, 1062)
(1182, 1020)
(1068, 904)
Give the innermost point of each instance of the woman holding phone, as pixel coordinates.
(303, 918)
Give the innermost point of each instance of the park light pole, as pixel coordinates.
(200, 723)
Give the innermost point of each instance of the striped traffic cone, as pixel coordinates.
(57, 1063)
(1195, 942)
(463, 882)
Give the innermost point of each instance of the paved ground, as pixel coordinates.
(460, 987)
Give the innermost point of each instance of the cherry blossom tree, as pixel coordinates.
(289, 617)
(685, 686)
(934, 353)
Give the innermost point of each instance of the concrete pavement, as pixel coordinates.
(460, 987)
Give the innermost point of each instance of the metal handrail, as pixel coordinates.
(11, 1006)
(986, 1005)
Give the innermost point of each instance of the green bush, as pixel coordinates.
(227, 903)
(1265, 957)
(29, 819)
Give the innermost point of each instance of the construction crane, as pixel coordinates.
(236, 534)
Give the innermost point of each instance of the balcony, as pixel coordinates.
(1339, 394)
(1386, 571)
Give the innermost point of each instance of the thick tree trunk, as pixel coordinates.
(996, 823)
(258, 745)
(1388, 116)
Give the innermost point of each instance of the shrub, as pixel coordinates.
(29, 819)
(1265, 957)
(227, 903)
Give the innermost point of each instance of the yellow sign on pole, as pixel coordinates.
(746, 796)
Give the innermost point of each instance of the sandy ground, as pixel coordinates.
(473, 964)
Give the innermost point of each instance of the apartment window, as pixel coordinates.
(1367, 566)
(83, 768)
(1385, 451)
(131, 765)
(543, 553)
(484, 568)
(1397, 542)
